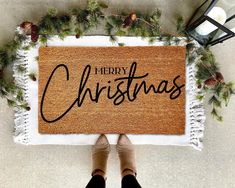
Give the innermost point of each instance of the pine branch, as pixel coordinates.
(4, 58)
(168, 40)
(43, 39)
(52, 24)
(180, 25)
(11, 103)
(215, 114)
(207, 66)
(20, 95)
(214, 101)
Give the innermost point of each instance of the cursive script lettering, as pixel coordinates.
(120, 94)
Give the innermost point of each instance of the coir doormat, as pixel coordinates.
(138, 90)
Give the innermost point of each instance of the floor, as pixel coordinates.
(158, 166)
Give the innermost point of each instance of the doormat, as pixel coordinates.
(137, 90)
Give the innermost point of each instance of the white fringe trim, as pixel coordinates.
(196, 110)
(21, 128)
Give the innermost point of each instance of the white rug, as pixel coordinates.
(26, 122)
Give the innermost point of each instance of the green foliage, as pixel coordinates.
(3, 92)
(11, 103)
(206, 65)
(52, 12)
(8, 54)
(200, 97)
(24, 105)
(43, 39)
(80, 21)
(220, 92)
(191, 52)
(180, 25)
(121, 44)
(168, 40)
(109, 28)
(215, 114)
(216, 102)
(20, 95)
(10, 88)
(226, 92)
(103, 4)
(90, 17)
(4, 58)
(52, 24)
(93, 5)
(145, 25)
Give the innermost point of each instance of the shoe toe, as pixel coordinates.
(102, 140)
(124, 140)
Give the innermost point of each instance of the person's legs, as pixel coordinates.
(126, 155)
(100, 152)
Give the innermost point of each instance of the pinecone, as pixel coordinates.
(129, 20)
(133, 16)
(33, 77)
(219, 77)
(210, 82)
(34, 33)
(26, 26)
(27, 108)
(77, 36)
(199, 86)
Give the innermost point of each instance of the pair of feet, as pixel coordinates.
(125, 150)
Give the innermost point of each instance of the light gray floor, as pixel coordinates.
(158, 166)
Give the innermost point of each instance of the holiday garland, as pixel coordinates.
(81, 21)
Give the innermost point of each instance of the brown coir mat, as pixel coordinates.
(139, 90)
